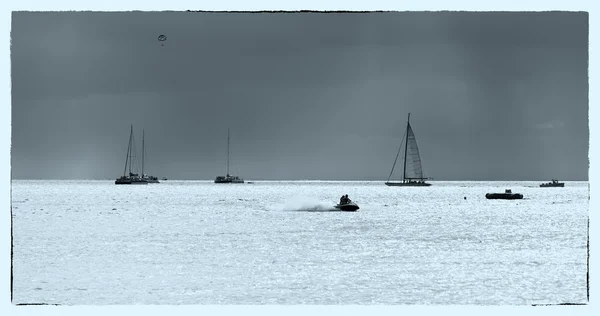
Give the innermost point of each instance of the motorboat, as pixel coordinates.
(507, 195)
(553, 184)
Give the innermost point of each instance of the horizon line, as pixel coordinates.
(322, 180)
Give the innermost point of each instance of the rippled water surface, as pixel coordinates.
(196, 242)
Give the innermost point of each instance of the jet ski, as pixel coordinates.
(347, 207)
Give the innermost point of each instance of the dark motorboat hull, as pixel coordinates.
(504, 196)
(552, 185)
(407, 184)
(119, 181)
(350, 207)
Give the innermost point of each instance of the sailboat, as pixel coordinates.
(132, 178)
(412, 174)
(228, 178)
(147, 178)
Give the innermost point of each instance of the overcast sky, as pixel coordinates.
(492, 96)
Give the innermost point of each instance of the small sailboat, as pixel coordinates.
(147, 178)
(228, 178)
(412, 173)
(132, 178)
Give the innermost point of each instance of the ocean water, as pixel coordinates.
(277, 242)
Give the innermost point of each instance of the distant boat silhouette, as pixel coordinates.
(132, 178)
(147, 178)
(413, 176)
(553, 184)
(507, 195)
(228, 178)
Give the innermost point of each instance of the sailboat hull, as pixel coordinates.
(129, 181)
(407, 184)
(229, 181)
(150, 180)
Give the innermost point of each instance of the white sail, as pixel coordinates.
(413, 170)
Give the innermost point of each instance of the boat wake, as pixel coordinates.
(304, 205)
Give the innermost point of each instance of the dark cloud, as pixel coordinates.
(307, 96)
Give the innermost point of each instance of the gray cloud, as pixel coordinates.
(298, 90)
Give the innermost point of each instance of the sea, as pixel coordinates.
(283, 243)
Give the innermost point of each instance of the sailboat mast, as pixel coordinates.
(128, 150)
(228, 152)
(131, 151)
(406, 148)
(143, 152)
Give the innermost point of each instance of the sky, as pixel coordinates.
(320, 96)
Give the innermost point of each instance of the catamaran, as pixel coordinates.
(132, 178)
(228, 178)
(412, 174)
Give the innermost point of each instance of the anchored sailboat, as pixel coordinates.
(228, 178)
(412, 175)
(132, 178)
(147, 178)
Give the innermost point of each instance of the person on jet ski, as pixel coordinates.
(344, 200)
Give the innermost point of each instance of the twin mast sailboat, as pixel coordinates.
(134, 178)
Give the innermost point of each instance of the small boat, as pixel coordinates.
(553, 184)
(348, 207)
(412, 176)
(507, 195)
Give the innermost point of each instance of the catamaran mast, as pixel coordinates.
(128, 152)
(228, 152)
(131, 150)
(406, 148)
(143, 152)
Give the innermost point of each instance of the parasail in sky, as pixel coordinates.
(162, 38)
